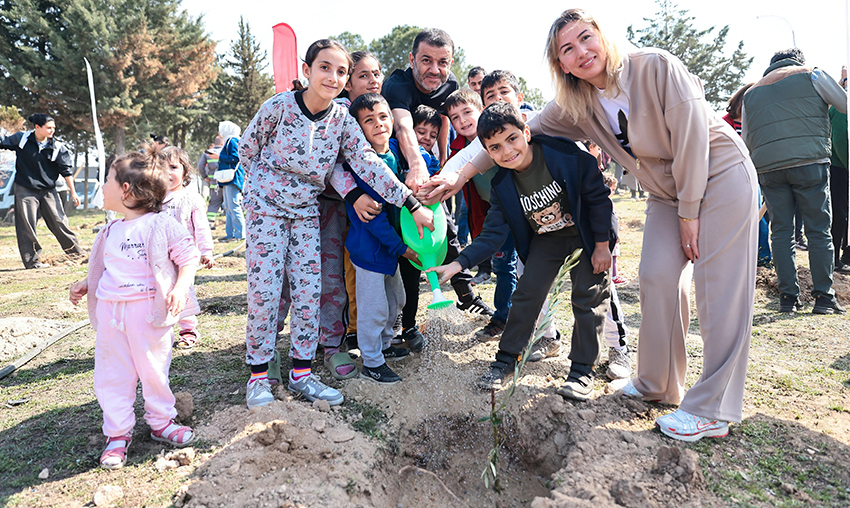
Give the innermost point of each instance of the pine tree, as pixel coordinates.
(672, 29)
(532, 96)
(250, 86)
(352, 42)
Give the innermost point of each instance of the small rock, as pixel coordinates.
(788, 488)
(107, 495)
(667, 479)
(44, 474)
(319, 426)
(628, 437)
(667, 455)
(679, 470)
(321, 405)
(185, 405)
(340, 435)
(234, 468)
(184, 456)
(163, 464)
(586, 415)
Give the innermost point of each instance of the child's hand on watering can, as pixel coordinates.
(446, 272)
(424, 218)
(412, 256)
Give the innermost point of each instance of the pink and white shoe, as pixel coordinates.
(175, 435)
(684, 426)
(115, 454)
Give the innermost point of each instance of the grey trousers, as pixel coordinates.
(590, 294)
(379, 300)
(216, 200)
(28, 204)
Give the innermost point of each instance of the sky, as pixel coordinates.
(503, 35)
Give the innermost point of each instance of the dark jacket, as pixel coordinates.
(37, 169)
(578, 174)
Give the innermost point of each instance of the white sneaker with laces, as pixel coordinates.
(684, 426)
(312, 388)
(619, 363)
(259, 393)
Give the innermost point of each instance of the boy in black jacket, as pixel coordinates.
(552, 198)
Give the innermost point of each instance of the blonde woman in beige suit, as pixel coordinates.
(648, 112)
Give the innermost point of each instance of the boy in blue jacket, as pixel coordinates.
(550, 195)
(374, 247)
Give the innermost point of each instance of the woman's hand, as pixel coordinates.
(689, 231)
(446, 272)
(79, 290)
(601, 258)
(443, 186)
(366, 208)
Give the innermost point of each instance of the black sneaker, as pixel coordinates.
(842, 268)
(381, 375)
(789, 303)
(578, 386)
(545, 347)
(350, 340)
(491, 331)
(414, 338)
(827, 305)
(393, 353)
(496, 376)
(476, 306)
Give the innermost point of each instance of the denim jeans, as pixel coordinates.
(806, 187)
(235, 224)
(504, 267)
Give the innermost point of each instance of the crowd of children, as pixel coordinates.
(322, 193)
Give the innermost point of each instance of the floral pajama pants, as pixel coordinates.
(279, 251)
(333, 221)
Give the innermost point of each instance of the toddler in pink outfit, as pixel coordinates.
(190, 210)
(139, 284)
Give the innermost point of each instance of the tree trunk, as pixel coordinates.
(120, 140)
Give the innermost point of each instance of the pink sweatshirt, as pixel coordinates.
(189, 209)
(144, 263)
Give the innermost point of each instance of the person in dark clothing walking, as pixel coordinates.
(41, 160)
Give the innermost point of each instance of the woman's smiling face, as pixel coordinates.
(582, 54)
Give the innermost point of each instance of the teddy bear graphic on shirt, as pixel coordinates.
(552, 219)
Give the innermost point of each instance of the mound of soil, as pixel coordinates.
(20, 334)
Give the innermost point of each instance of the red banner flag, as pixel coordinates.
(284, 57)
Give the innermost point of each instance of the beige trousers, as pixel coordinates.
(724, 277)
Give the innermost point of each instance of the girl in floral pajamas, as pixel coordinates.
(288, 151)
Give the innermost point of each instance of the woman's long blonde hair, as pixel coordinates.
(574, 95)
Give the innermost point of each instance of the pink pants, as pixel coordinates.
(129, 349)
(188, 323)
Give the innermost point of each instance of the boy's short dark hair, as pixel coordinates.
(433, 37)
(366, 101)
(794, 53)
(463, 96)
(475, 71)
(493, 79)
(496, 117)
(427, 115)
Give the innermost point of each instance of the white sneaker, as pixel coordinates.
(684, 426)
(629, 390)
(259, 393)
(312, 388)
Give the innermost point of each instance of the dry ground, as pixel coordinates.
(418, 443)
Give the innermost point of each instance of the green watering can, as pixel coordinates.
(431, 249)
